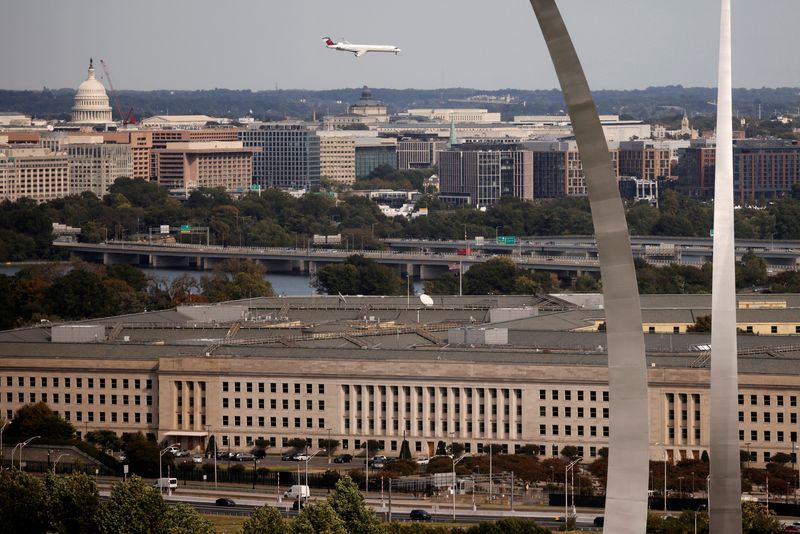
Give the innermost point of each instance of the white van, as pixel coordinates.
(298, 492)
(166, 483)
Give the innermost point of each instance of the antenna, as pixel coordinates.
(426, 300)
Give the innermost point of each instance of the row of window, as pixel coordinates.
(567, 395)
(567, 411)
(431, 408)
(113, 417)
(767, 400)
(273, 387)
(56, 381)
(56, 398)
(567, 430)
(767, 417)
(273, 421)
(780, 435)
(273, 404)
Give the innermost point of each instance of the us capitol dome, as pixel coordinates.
(91, 102)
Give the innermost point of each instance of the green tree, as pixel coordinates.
(38, 420)
(758, 519)
(358, 276)
(570, 452)
(348, 503)
(74, 503)
(701, 324)
(143, 455)
(329, 446)
(78, 295)
(319, 518)
(185, 519)
(23, 503)
(105, 439)
(751, 271)
(509, 525)
(132, 507)
(266, 519)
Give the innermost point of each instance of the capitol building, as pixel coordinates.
(91, 102)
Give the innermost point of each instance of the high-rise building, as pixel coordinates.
(558, 170)
(481, 174)
(419, 152)
(36, 173)
(372, 152)
(644, 159)
(762, 169)
(186, 165)
(94, 166)
(289, 157)
(337, 156)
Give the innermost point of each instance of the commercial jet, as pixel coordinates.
(359, 49)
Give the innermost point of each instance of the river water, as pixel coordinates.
(290, 285)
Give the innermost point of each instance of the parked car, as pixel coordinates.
(343, 459)
(377, 461)
(181, 453)
(287, 457)
(423, 460)
(419, 515)
(301, 457)
(225, 501)
(244, 457)
(197, 458)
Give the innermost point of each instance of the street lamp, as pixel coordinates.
(59, 458)
(2, 429)
(455, 482)
(567, 469)
(22, 446)
(328, 445)
(160, 473)
(307, 460)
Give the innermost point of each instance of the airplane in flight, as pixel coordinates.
(359, 49)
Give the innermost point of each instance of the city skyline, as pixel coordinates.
(171, 46)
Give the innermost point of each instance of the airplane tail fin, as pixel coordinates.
(328, 41)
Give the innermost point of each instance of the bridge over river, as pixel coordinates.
(425, 259)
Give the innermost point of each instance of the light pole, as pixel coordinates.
(490, 472)
(366, 468)
(307, 460)
(160, 473)
(2, 450)
(328, 445)
(455, 483)
(23, 446)
(567, 469)
(57, 459)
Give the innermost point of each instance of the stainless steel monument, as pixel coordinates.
(726, 488)
(628, 468)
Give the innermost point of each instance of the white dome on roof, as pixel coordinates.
(91, 101)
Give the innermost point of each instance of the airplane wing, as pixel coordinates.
(360, 53)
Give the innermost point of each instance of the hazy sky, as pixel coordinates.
(255, 44)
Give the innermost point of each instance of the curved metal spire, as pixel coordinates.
(726, 489)
(628, 467)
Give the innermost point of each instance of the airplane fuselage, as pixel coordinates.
(360, 49)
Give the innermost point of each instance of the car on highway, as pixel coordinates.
(244, 457)
(225, 501)
(343, 459)
(419, 515)
(301, 457)
(288, 457)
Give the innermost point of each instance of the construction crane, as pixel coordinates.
(127, 118)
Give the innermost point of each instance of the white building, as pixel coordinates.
(35, 173)
(453, 114)
(91, 102)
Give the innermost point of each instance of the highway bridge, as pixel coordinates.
(426, 259)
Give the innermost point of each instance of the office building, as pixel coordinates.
(558, 170)
(187, 165)
(481, 174)
(419, 152)
(289, 157)
(94, 165)
(36, 173)
(649, 160)
(401, 373)
(337, 156)
(372, 152)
